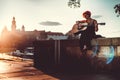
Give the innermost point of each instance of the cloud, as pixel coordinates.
(50, 23)
(96, 16)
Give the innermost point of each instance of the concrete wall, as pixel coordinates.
(66, 55)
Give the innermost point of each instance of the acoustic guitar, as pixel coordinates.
(81, 27)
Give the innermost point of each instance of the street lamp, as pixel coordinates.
(74, 3)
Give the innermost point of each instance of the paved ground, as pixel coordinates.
(13, 68)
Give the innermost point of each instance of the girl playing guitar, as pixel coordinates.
(89, 33)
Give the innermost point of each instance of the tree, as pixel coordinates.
(117, 9)
(74, 3)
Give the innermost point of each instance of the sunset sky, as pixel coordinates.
(56, 16)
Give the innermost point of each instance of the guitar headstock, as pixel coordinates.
(101, 23)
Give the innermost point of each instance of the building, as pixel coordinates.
(22, 38)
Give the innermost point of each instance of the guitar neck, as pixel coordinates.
(97, 23)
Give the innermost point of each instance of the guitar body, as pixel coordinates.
(82, 26)
(79, 27)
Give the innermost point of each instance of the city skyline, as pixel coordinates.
(56, 16)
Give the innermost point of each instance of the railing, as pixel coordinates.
(66, 55)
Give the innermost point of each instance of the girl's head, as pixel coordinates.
(87, 14)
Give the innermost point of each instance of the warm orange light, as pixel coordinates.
(4, 67)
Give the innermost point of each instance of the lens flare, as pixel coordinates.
(95, 50)
(111, 55)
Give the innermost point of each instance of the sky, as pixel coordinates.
(56, 16)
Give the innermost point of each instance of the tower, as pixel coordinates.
(23, 28)
(13, 27)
